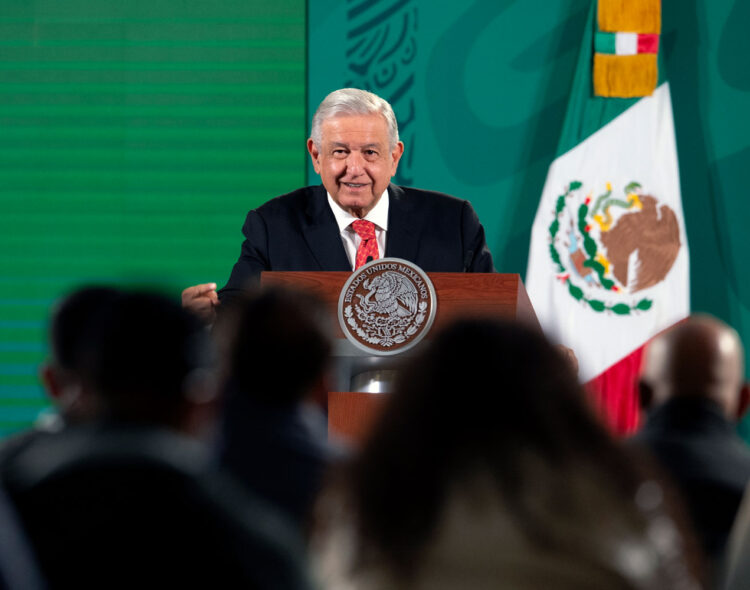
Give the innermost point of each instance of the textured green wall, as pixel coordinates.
(489, 85)
(134, 137)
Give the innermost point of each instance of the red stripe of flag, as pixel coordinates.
(648, 43)
(614, 394)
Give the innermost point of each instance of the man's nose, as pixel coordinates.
(354, 163)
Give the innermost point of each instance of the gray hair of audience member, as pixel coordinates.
(353, 101)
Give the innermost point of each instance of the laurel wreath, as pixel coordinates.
(384, 331)
(591, 249)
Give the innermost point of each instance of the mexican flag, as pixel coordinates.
(608, 261)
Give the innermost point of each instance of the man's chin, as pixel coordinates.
(357, 205)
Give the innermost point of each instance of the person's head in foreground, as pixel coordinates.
(149, 362)
(275, 347)
(486, 469)
(699, 359)
(67, 374)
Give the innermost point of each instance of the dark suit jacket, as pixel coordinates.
(298, 231)
(699, 448)
(280, 452)
(118, 506)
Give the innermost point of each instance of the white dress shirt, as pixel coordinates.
(378, 215)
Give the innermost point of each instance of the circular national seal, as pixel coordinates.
(387, 306)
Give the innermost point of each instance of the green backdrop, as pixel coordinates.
(135, 135)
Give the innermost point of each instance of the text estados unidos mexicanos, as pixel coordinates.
(376, 268)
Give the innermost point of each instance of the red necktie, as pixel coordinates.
(368, 246)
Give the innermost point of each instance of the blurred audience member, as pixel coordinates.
(119, 497)
(18, 567)
(273, 435)
(66, 375)
(486, 470)
(153, 365)
(692, 385)
(735, 574)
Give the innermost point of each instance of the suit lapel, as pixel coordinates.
(403, 235)
(322, 233)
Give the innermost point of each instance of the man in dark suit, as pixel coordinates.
(357, 214)
(693, 387)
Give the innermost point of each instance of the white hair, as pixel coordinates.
(353, 101)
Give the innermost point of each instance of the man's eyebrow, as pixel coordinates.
(346, 145)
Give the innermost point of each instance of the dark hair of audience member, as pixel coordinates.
(151, 357)
(67, 375)
(275, 343)
(480, 398)
(72, 328)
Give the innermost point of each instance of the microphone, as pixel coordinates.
(369, 260)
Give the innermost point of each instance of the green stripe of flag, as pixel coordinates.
(604, 42)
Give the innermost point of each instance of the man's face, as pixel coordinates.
(354, 160)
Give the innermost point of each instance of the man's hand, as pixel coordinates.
(202, 301)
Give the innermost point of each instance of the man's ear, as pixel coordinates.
(743, 401)
(314, 154)
(645, 395)
(51, 382)
(65, 391)
(396, 154)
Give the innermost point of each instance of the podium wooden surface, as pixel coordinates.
(351, 414)
(459, 295)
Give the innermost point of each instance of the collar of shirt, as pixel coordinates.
(378, 215)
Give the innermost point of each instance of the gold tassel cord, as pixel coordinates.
(633, 16)
(625, 76)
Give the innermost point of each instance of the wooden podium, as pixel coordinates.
(459, 295)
